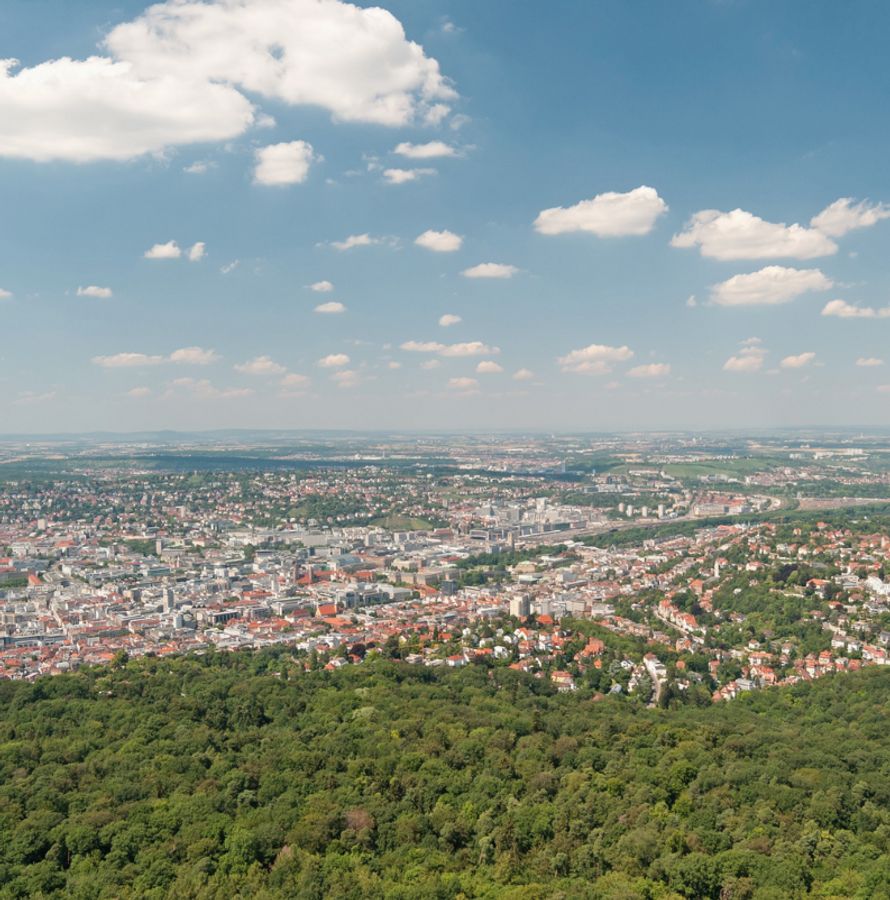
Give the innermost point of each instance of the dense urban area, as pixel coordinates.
(661, 569)
(445, 666)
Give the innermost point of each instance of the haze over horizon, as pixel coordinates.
(308, 214)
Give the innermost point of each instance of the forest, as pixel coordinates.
(242, 775)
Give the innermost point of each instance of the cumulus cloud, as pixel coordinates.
(127, 360)
(431, 364)
(332, 307)
(260, 365)
(463, 384)
(294, 382)
(346, 378)
(180, 73)
(321, 287)
(606, 215)
(170, 250)
(769, 286)
(194, 356)
(650, 370)
(523, 375)
(102, 293)
(279, 165)
(798, 361)
(203, 389)
(29, 398)
(490, 270)
(740, 235)
(430, 150)
(449, 319)
(197, 251)
(489, 367)
(355, 240)
(354, 62)
(334, 361)
(139, 392)
(868, 362)
(749, 358)
(844, 310)
(403, 176)
(102, 109)
(439, 241)
(595, 359)
(5, 295)
(846, 215)
(465, 348)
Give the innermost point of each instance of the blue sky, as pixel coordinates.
(696, 285)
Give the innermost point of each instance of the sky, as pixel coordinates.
(444, 215)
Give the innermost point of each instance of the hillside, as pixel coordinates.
(239, 775)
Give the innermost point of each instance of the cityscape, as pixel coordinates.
(444, 450)
(722, 568)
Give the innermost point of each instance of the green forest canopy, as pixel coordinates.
(239, 775)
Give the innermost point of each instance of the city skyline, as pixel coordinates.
(289, 214)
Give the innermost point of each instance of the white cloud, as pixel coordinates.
(294, 382)
(127, 360)
(260, 365)
(403, 176)
(431, 364)
(229, 267)
(466, 348)
(203, 389)
(102, 293)
(490, 270)
(845, 215)
(139, 392)
(868, 362)
(197, 251)
(279, 165)
(355, 240)
(464, 384)
(798, 361)
(749, 358)
(489, 367)
(101, 109)
(768, 286)
(346, 378)
(430, 150)
(606, 215)
(5, 295)
(178, 74)
(321, 287)
(194, 356)
(334, 361)
(691, 301)
(29, 398)
(393, 364)
(595, 359)
(354, 62)
(449, 319)
(170, 250)
(650, 370)
(523, 375)
(199, 167)
(332, 307)
(439, 241)
(844, 310)
(740, 235)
